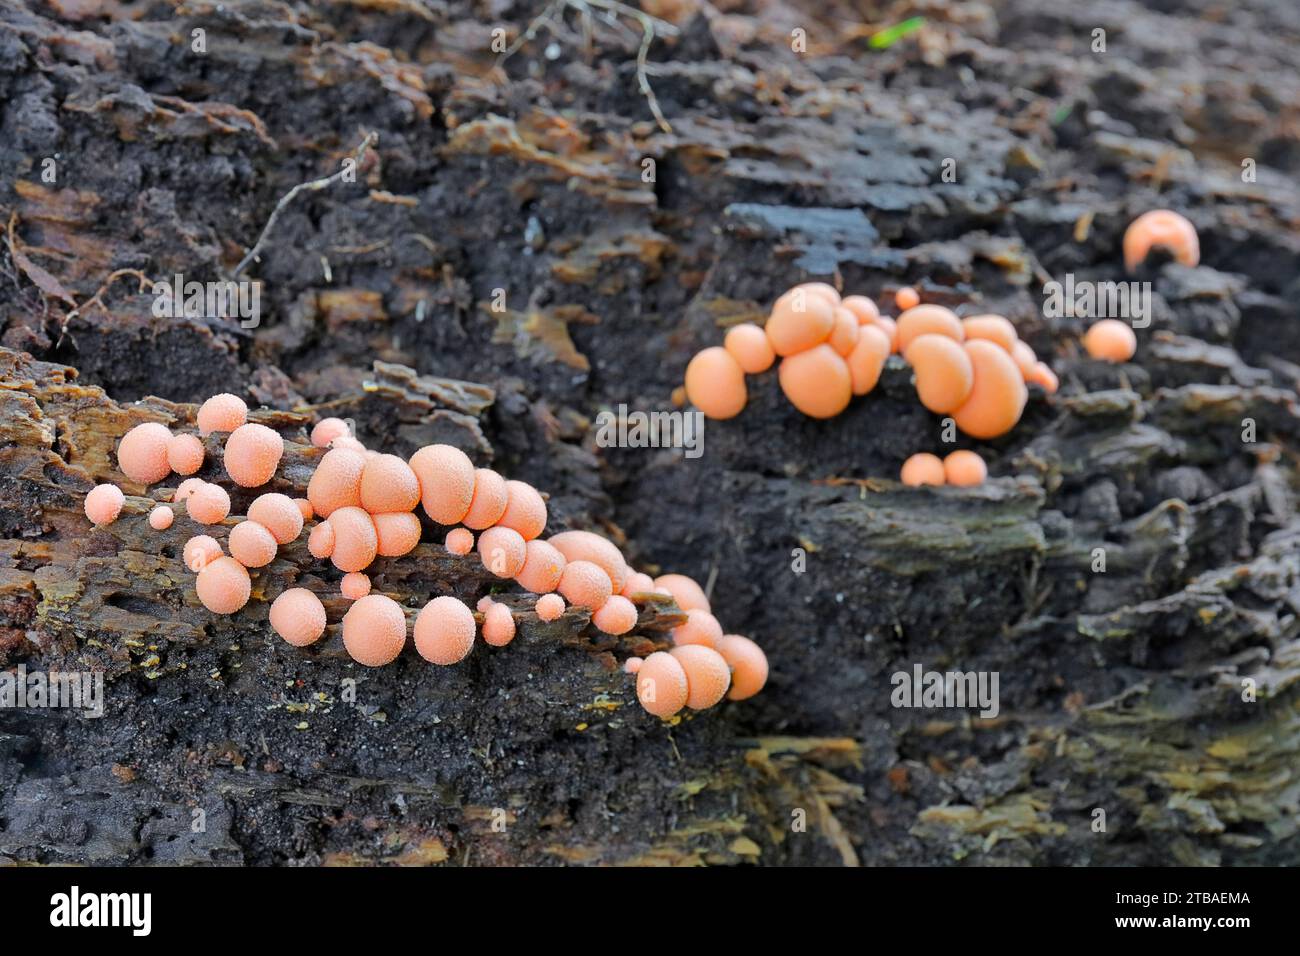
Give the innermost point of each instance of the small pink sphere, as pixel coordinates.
(498, 625)
(251, 544)
(208, 504)
(525, 510)
(298, 616)
(701, 627)
(104, 504)
(503, 551)
(549, 607)
(397, 533)
(185, 454)
(460, 541)
(252, 454)
(328, 429)
(489, 501)
(279, 515)
(200, 551)
(187, 488)
(632, 665)
(354, 585)
(161, 518)
(222, 413)
(444, 631)
(543, 567)
(321, 540)
(585, 584)
(616, 616)
(374, 630)
(223, 586)
(388, 485)
(142, 453)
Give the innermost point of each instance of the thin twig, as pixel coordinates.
(314, 186)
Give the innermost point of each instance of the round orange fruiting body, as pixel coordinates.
(632, 665)
(906, 298)
(707, 675)
(459, 541)
(374, 630)
(446, 478)
(749, 346)
(142, 453)
(748, 665)
(715, 383)
(922, 469)
(844, 334)
(637, 583)
(503, 551)
(525, 510)
(661, 684)
(616, 616)
(588, 546)
(964, 468)
(498, 625)
(253, 452)
(685, 591)
(928, 320)
(298, 616)
(354, 585)
(998, 397)
(800, 319)
(863, 309)
(200, 551)
(1110, 340)
(817, 381)
(104, 503)
(251, 544)
(336, 482)
(489, 501)
(356, 542)
(221, 413)
(321, 540)
(208, 504)
(223, 585)
(388, 484)
(1166, 229)
(396, 533)
(161, 518)
(444, 631)
(944, 373)
(585, 584)
(279, 514)
(328, 429)
(549, 607)
(349, 443)
(701, 627)
(543, 567)
(993, 328)
(867, 360)
(184, 454)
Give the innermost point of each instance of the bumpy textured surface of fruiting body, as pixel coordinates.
(142, 453)
(584, 584)
(459, 541)
(208, 504)
(707, 675)
(279, 514)
(223, 585)
(354, 585)
(444, 631)
(374, 630)
(616, 616)
(588, 546)
(355, 540)
(396, 534)
(498, 625)
(661, 684)
(200, 551)
(161, 518)
(446, 478)
(543, 567)
(221, 413)
(104, 503)
(503, 551)
(298, 616)
(525, 510)
(336, 482)
(185, 454)
(388, 484)
(685, 591)
(489, 501)
(549, 607)
(701, 627)
(252, 454)
(251, 544)
(328, 429)
(321, 540)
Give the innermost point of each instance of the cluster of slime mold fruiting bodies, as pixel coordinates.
(363, 505)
